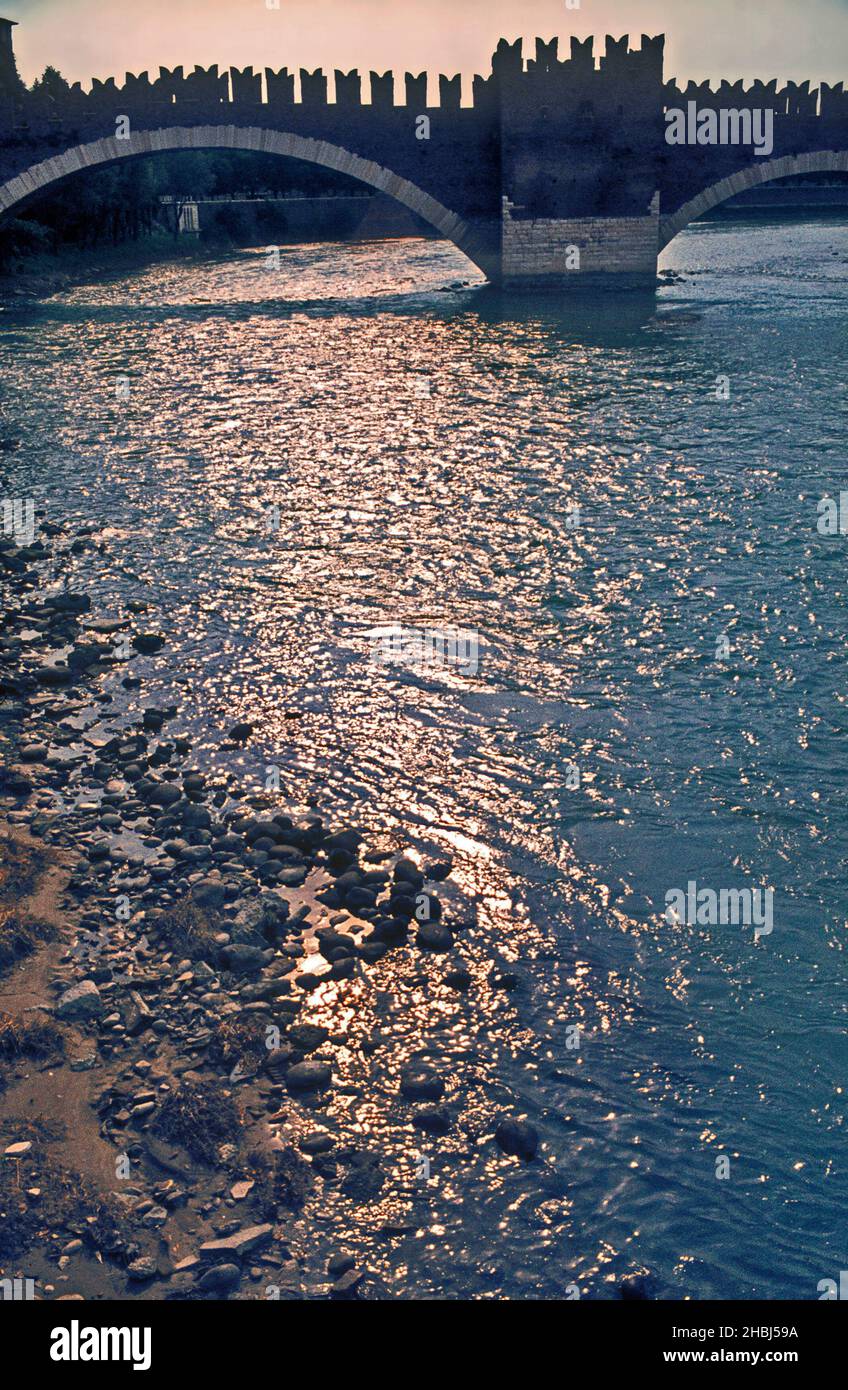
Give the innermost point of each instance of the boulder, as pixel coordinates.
(517, 1138)
(308, 1076)
(80, 1002)
(421, 1083)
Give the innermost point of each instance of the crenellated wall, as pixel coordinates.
(794, 99)
(580, 137)
(559, 140)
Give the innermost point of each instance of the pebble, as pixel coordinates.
(148, 642)
(434, 936)
(318, 1142)
(19, 1150)
(460, 980)
(347, 1286)
(421, 1083)
(432, 1120)
(220, 1278)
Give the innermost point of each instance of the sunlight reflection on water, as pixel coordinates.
(426, 443)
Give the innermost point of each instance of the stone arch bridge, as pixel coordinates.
(549, 155)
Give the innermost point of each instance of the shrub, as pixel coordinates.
(37, 1036)
(187, 929)
(19, 938)
(199, 1116)
(283, 1179)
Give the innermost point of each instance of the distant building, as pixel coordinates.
(9, 80)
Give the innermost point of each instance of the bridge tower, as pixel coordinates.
(580, 143)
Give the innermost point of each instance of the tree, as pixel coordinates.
(51, 83)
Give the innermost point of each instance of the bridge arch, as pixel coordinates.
(764, 171)
(257, 139)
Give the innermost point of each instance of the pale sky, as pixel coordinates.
(705, 38)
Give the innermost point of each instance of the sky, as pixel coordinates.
(795, 39)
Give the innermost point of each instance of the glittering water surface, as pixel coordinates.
(427, 442)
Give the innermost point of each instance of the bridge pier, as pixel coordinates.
(565, 254)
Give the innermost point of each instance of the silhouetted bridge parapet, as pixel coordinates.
(556, 172)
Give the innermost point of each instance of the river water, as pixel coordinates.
(658, 694)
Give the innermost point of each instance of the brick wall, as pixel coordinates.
(537, 249)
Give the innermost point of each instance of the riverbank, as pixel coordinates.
(37, 277)
(186, 971)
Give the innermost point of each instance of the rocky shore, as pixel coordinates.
(191, 1043)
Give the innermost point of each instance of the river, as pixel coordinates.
(620, 506)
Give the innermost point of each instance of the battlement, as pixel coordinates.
(272, 87)
(794, 99)
(545, 75)
(620, 61)
(623, 81)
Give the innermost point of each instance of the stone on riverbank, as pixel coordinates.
(308, 1076)
(434, 937)
(54, 676)
(240, 1244)
(148, 642)
(80, 1002)
(220, 1278)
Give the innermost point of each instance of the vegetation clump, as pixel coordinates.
(239, 1042)
(20, 868)
(43, 1202)
(199, 1117)
(19, 938)
(37, 1036)
(283, 1180)
(187, 929)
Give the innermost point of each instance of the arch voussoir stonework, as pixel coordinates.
(816, 162)
(260, 140)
